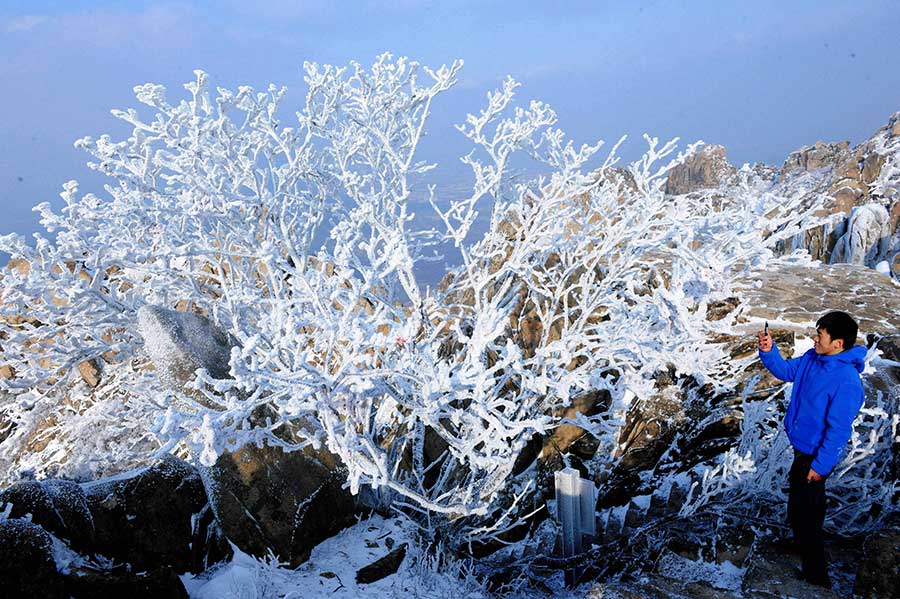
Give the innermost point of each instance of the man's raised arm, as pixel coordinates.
(780, 368)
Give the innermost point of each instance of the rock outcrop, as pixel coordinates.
(816, 156)
(126, 536)
(148, 518)
(267, 500)
(867, 238)
(58, 506)
(705, 169)
(861, 186)
(851, 178)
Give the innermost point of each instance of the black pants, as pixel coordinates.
(806, 514)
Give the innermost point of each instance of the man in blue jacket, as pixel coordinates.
(826, 397)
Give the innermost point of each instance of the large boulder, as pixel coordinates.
(27, 567)
(179, 343)
(264, 500)
(287, 503)
(147, 518)
(58, 506)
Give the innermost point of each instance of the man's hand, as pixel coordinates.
(813, 476)
(765, 341)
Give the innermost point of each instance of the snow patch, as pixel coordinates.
(725, 576)
(331, 570)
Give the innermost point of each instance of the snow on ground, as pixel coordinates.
(724, 576)
(331, 570)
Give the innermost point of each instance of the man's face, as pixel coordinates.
(825, 345)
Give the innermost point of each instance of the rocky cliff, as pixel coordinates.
(861, 185)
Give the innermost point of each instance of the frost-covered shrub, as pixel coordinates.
(428, 396)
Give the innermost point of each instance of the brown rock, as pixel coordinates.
(847, 194)
(90, 372)
(648, 428)
(850, 168)
(287, 503)
(42, 434)
(566, 434)
(872, 167)
(720, 309)
(817, 156)
(20, 265)
(820, 242)
(112, 336)
(705, 169)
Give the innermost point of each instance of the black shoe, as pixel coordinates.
(786, 545)
(819, 581)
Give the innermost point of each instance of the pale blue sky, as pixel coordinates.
(761, 78)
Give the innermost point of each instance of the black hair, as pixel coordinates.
(839, 325)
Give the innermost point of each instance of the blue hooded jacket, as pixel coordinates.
(826, 397)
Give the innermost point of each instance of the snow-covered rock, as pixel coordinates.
(331, 570)
(27, 567)
(179, 343)
(154, 517)
(867, 238)
(816, 156)
(59, 506)
(847, 178)
(267, 500)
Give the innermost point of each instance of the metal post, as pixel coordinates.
(576, 500)
(587, 493)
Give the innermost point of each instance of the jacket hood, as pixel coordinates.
(855, 357)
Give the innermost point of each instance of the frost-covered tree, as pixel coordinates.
(298, 239)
